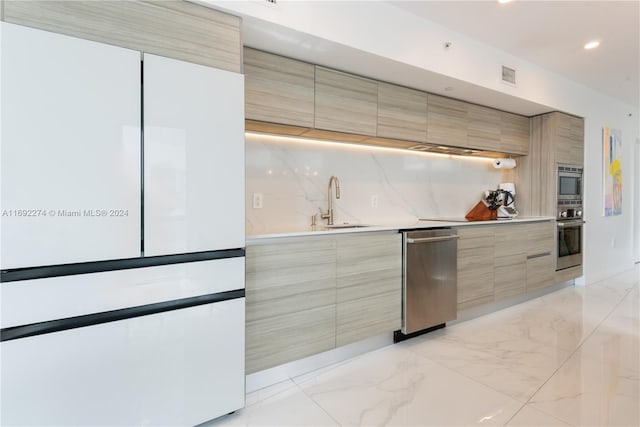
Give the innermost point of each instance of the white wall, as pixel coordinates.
(417, 42)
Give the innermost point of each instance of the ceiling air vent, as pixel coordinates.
(508, 75)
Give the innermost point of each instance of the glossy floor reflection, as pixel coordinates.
(570, 358)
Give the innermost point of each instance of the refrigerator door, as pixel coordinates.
(180, 367)
(70, 141)
(160, 345)
(40, 300)
(193, 157)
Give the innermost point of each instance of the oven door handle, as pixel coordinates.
(570, 224)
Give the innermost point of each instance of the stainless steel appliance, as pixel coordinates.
(569, 250)
(429, 297)
(569, 185)
(569, 217)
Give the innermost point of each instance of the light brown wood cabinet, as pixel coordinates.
(505, 260)
(402, 113)
(569, 139)
(369, 286)
(312, 295)
(345, 103)
(475, 265)
(278, 89)
(541, 261)
(510, 267)
(446, 121)
(345, 107)
(514, 134)
(290, 301)
(555, 138)
(176, 29)
(541, 237)
(483, 128)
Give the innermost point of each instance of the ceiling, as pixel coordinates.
(552, 34)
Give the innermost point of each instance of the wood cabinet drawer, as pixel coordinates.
(541, 238)
(540, 272)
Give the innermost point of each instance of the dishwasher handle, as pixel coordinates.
(431, 239)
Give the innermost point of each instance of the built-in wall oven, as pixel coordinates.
(569, 243)
(569, 218)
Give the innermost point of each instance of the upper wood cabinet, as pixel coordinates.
(555, 138)
(278, 89)
(447, 121)
(569, 138)
(402, 113)
(286, 96)
(345, 103)
(483, 128)
(174, 28)
(514, 133)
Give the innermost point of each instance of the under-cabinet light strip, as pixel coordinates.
(273, 138)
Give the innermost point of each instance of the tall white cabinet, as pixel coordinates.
(70, 143)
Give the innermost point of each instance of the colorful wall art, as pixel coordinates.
(612, 171)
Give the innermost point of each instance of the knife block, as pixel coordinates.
(481, 212)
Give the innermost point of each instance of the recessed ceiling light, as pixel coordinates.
(504, 1)
(592, 45)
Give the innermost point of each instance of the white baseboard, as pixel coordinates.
(271, 376)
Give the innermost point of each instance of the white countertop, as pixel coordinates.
(321, 230)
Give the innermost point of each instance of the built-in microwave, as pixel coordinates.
(569, 184)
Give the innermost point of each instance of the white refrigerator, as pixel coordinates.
(122, 235)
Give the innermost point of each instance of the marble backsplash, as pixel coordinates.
(292, 175)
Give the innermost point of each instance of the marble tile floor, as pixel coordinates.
(569, 358)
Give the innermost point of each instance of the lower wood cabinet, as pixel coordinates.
(540, 272)
(290, 301)
(369, 282)
(308, 296)
(475, 265)
(502, 261)
(510, 275)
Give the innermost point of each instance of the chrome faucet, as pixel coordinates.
(329, 215)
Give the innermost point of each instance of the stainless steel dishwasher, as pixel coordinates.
(429, 280)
